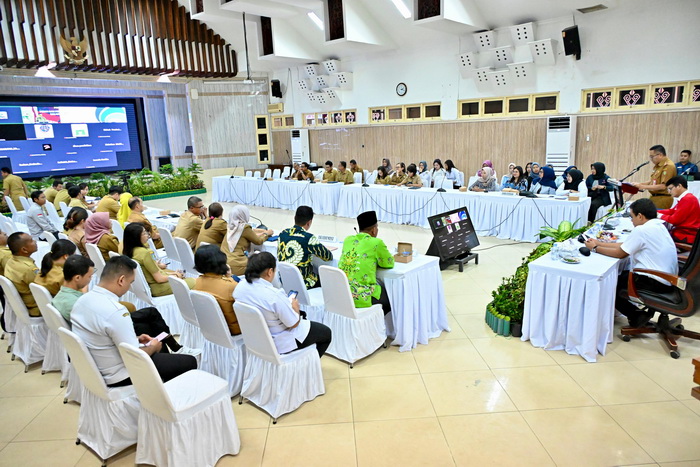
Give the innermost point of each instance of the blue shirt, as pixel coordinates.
(686, 169)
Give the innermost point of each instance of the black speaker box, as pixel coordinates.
(572, 42)
(276, 88)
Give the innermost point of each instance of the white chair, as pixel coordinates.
(17, 216)
(62, 236)
(31, 332)
(276, 383)
(440, 181)
(222, 354)
(48, 236)
(267, 173)
(472, 179)
(369, 180)
(286, 172)
(276, 174)
(184, 251)
(55, 321)
(166, 305)
(159, 253)
(365, 173)
(426, 179)
(42, 249)
(357, 332)
(319, 173)
(95, 255)
(7, 225)
(118, 230)
(64, 208)
(190, 336)
(185, 422)
(310, 301)
(108, 419)
(357, 178)
(256, 174)
(249, 173)
(170, 248)
(602, 211)
(25, 203)
(460, 177)
(56, 220)
(55, 356)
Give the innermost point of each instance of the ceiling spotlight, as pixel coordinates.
(402, 8)
(317, 21)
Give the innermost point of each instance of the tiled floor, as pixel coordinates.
(467, 398)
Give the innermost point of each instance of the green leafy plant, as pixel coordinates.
(564, 231)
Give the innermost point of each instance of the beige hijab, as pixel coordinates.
(238, 218)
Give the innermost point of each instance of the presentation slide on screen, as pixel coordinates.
(41, 139)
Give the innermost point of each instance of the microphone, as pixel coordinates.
(642, 165)
(233, 175)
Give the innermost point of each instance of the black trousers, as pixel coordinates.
(645, 282)
(383, 299)
(319, 334)
(169, 366)
(595, 204)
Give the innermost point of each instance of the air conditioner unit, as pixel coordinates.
(561, 142)
(300, 146)
(277, 108)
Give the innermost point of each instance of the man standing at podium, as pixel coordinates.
(664, 170)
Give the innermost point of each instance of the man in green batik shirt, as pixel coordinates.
(298, 247)
(362, 254)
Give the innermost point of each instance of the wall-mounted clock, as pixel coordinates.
(401, 89)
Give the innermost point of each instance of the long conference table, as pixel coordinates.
(493, 214)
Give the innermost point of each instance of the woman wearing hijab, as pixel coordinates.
(486, 182)
(545, 185)
(422, 167)
(239, 239)
(489, 164)
(535, 173)
(124, 210)
(562, 178)
(518, 181)
(598, 189)
(509, 174)
(98, 228)
(573, 183)
(387, 165)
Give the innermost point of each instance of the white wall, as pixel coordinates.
(638, 42)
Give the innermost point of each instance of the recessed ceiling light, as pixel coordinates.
(402, 8)
(317, 21)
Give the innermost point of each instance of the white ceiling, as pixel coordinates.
(402, 34)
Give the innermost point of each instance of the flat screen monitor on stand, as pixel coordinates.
(453, 238)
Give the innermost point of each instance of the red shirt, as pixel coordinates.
(684, 217)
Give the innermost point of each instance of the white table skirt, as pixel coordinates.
(416, 295)
(571, 306)
(694, 188)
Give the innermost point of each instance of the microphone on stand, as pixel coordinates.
(233, 175)
(642, 165)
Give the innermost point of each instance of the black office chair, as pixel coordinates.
(681, 301)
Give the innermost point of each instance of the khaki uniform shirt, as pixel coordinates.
(188, 227)
(331, 176)
(382, 181)
(53, 280)
(308, 173)
(77, 236)
(61, 196)
(107, 243)
(22, 271)
(221, 287)
(78, 203)
(663, 172)
(215, 234)
(345, 177)
(140, 218)
(395, 178)
(237, 259)
(149, 266)
(16, 188)
(415, 180)
(5, 256)
(50, 194)
(110, 205)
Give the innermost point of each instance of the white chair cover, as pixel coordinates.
(64, 208)
(108, 420)
(170, 248)
(276, 174)
(62, 236)
(56, 220)
(310, 301)
(365, 173)
(55, 358)
(25, 203)
(118, 230)
(286, 172)
(267, 173)
(223, 354)
(369, 180)
(357, 177)
(357, 332)
(248, 173)
(191, 336)
(472, 179)
(31, 333)
(7, 226)
(55, 321)
(17, 216)
(256, 174)
(460, 177)
(426, 178)
(186, 255)
(96, 256)
(443, 182)
(42, 249)
(185, 422)
(10, 325)
(166, 305)
(276, 383)
(48, 236)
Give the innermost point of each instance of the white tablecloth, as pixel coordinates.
(161, 222)
(494, 214)
(281, 194)
(416, 295)
(694, 188)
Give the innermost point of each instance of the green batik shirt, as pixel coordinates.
(362, 253)
(298, 247)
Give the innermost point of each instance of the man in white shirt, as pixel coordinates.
(289, 331)
(38, 220)
(649, 246)
(103, 323)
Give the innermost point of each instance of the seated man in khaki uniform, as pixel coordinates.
(344, 175)
(354, 168)
(110, 202)
(14, 187)
(330, 174)
(664, 170)
(137, 208)
(53, 190)
(191, 221)
(62, 196)
(21, 270)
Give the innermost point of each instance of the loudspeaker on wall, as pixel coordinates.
(572, 42)
(276, 88)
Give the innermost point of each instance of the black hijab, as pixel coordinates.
(576, 179)
(599, 170)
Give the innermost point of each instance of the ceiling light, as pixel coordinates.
(317, 21)
(45, 71)
(402, 8)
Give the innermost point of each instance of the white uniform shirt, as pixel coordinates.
(650, 246)
(38, 221)
(103, 323)
(277, 311)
